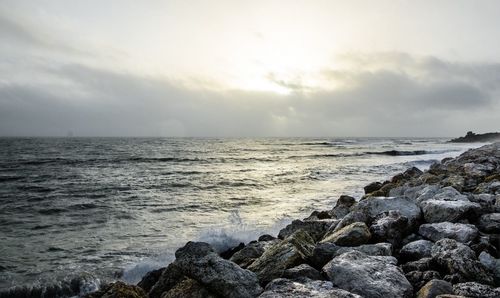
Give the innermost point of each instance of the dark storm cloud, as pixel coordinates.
(376, 102)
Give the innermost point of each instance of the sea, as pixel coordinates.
(78, 212)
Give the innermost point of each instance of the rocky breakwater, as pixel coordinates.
(421, 234)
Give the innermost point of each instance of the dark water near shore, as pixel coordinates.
(104, 208)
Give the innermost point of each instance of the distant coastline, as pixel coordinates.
(472, 137)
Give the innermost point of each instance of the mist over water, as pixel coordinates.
(118, 207)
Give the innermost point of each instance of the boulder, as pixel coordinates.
(198, 261)
(315, 228)
(389, 227)
(460, 232)
(266, 237)
(283, 255)
(169, 277)
(416, 250)
(489, 223)
(118, 290)
(419, 278)
(150, 279)
(374, 186)
(492, 265)
(487, 202)
(450, 211)
(324, 252)
(435, 287)
(458, 259)
(343, 206)
(476, 290)
(374, 206)
(188, 288)
(367, 276)
(350, 218)
(351, 235)
(282, 287)
(447, 193)
(424, 264)
(302, 271)
(492, 187)
(227, 254)
(252, 251)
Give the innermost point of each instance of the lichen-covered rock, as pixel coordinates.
(489, 223)
(302, 271)
(476, 290)
(283, 255)
(188, 288)
(250, 252)
(198, 261)
(492, 265)
(458, 259)
(351, 235)
(367, 276)
(449, 211)
(389, 227)
(457, 231)
(118, 290)
(281, 288)
(315, 228)
(435, 287)
(416, 250)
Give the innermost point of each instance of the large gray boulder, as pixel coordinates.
(435, 287)
(458, 231)
(315, 228)
(251, 252)
(434, 192)
(447, 210)
(343, 206)
(374, 206)
(283, 255)
(351, 235)
(416, 250)
(389, 227)
(476, 290)
(198, 261)
(169, 277)
(368, 276)
(324, 252)
(489, 223)
(492, 265)
(458, 259)
(302, 271)
(282, 287)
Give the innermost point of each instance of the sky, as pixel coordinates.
(225, 68)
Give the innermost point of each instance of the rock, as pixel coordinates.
(188, 288)
(450, 211)
(150, 279)
(424, 264)
(227, 254)
(118, 290)
(389, 227)
(350, 218)
(367, 276)
(198, 261)
(374, 186)
(449, 296)
(374, 206)
(457, 258)
(419, 278)
(324, 252)
(435, 287)
(283, 255)
(416, 250)
(302, 271)
(343, 206)
(476, 290)
(252, 251)
(492, 187)
(492, 265)
(478, 169)
(282, 287)
(487, 202)
(351, 235)
(167, 280)
(315, 228)
(266, 237)
(460, 232)
(489, 223)
(317, 215)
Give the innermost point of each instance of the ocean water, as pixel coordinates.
(75, 212)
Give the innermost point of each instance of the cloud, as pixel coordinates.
(382, 96)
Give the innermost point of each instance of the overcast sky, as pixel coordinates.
(249, 68)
